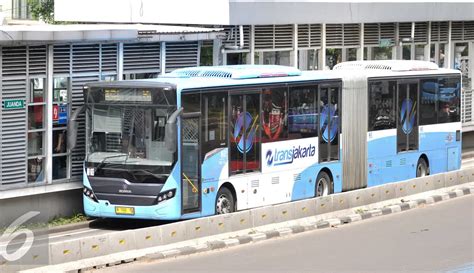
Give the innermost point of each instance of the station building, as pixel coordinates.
(43, 69)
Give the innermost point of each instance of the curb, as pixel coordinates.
(295, 229)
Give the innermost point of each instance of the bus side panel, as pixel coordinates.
(381, 154)
(304, 185)
(214, 169)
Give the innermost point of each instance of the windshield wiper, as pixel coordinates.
(102, 163)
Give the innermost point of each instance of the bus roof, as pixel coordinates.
(236, 75)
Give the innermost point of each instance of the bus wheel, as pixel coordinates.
(225, 202)
(422, 168)
(323, 184)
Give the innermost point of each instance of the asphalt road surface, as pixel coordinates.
(434, 238)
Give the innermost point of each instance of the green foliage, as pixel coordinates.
(42, 10)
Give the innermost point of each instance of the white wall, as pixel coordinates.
(212, 12)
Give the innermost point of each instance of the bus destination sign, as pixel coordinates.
(130, 95)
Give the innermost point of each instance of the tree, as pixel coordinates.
(42, 10)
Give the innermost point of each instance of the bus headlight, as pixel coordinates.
(163, 196)
(90, 194)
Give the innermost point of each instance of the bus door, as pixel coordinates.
(244, 150)
(190, 164)
(329, 122)
(407, 116)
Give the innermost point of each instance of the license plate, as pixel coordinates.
(124, 210)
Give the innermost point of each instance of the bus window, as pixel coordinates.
(274, 114)
(303, 112)
(214, 122)
(449, 99)
(428, 109)
(382, 99)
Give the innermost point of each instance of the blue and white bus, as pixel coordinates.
(212, 140)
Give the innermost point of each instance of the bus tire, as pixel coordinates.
(422, 168)
(323, 186)
(225, 202)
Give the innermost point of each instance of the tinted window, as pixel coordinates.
(274, 114)
(449, 100)
(382, 99)
(303, 112)
(428, 96)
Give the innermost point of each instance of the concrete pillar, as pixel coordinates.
(427, 52)
(48, 166)
(322, 60)
(360, 51)
(217, 55)
(449, 50)
(163, 57)
(471, 62)
(120, 62)
(295, 46)
(252, 44)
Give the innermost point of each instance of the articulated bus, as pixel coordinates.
(213, 140)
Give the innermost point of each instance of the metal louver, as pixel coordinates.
(77, 155)
(404, 31)
(13, 131)
(85, 58)
(439, 31)
(309, 36)
(141, 57)
(334, 35)
(37, 60)
(108, 57)
(373, 33)
(273, 36)
(351, 34)
(179, 55)
(462, 31)
(61, 59)
(14, 61)
(233, 36)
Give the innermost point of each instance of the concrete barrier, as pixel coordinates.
(73, 250)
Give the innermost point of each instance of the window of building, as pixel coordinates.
(61, 111)
(36, 130)
(274, 114)
(420, 52)
(206, 51)
(333, 57)
(140, 76)
(308, 59)
(303, 112)
(273, 57)
(351, 54)
(237, 58)
(382, 100)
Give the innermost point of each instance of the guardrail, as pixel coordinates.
(95, 246)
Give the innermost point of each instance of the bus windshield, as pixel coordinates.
(126, 137)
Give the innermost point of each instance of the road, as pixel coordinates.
(434, 238)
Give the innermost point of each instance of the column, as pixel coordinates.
(48, 165)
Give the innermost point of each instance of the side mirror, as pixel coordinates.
(72, 128)
(171, 131)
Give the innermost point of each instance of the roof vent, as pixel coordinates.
(236, 71)
(393, 65)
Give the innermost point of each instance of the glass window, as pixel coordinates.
(381, 53)
(35, 143)
(35, 170)
(59, 141)
(406, 52)
(191, 103)
(449, 100)
(333, 57)
(60, 91)
(382, 99)
(303, 112)
(420, 52)
(238, 58)
(351, 54)
(308, 59)
(429, 90)
(214, 121)
(206, 53)
(35, 117)
(277, 57)
(36, 90)
(274, 114)
(60, 167)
